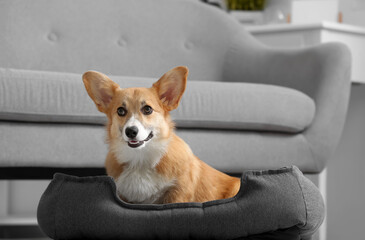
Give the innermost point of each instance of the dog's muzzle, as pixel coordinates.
(135, 144)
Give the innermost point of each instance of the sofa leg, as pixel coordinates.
(322, 185)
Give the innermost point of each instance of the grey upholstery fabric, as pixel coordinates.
(75, 208)
(60, 97)
(143, 38)
(146, 38)
(322, 72)
(58, 145)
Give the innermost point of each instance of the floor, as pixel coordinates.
(24, 232)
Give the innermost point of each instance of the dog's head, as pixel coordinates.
(137, 117)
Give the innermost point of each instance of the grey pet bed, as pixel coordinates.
(275, 204)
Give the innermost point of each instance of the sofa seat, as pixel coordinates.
(51, 97)
(48, 115)
(59, 145)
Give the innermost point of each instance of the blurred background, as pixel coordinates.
(281, 24)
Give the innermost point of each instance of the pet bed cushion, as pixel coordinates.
(40, 96)
(274, 204)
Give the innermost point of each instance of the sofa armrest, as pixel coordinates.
(322, 72)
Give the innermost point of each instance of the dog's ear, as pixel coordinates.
(100, 88)
(171, 86)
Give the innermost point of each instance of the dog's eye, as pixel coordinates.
(122, 111)
(147, 110)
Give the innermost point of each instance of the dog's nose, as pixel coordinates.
(131, 132)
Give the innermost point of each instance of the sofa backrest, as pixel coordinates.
(119, 37)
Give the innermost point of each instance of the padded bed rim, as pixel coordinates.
(302, 208)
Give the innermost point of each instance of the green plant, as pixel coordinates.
(248, 5)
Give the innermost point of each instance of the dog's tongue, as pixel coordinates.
(135, 144)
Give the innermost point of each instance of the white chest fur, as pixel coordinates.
(142, 185)
(140, 182)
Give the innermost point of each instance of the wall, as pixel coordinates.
(346, 175)
(353, 12)
(346, 170)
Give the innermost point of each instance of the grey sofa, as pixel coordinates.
(247, 106)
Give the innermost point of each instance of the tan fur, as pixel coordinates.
(192, 179)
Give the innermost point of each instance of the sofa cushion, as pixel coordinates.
(39, 96)
(65, 145)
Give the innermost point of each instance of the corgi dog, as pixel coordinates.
(150, 164)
